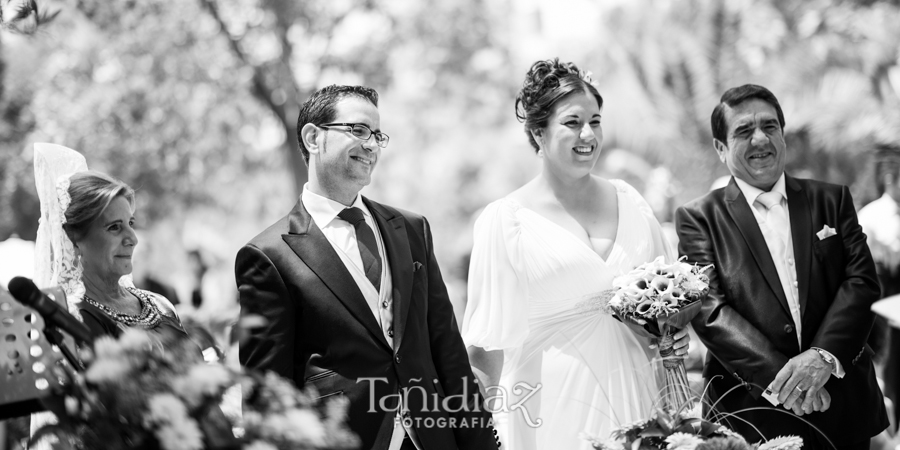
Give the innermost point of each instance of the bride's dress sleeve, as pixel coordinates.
(660, 244)
(496, 315)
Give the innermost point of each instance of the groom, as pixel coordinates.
(353, 298)
(788, 307)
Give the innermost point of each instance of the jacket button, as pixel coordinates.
(788, 328)
(397, 359)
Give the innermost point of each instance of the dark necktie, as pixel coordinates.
(368, 248)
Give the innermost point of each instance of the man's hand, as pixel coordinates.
(804, 374)
(682, 342)
(821, 401)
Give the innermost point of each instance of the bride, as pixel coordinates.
(536, 323)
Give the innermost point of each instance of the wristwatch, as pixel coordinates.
(825, 356)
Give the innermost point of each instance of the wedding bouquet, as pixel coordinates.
(145, 392)
(661, 298)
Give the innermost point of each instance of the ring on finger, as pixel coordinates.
(800, 389)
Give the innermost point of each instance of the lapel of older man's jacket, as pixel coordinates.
(312, 247)
(396, 245)
(746, 223)
(801, 234)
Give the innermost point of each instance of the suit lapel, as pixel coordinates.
(311, 246)
(746, 223)
(396, 245)
(801, 235)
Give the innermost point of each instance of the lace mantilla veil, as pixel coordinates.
(54, 253)
(55, 262)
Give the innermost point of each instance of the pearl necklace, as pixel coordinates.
(148, 318)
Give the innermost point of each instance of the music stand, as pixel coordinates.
(31, 368)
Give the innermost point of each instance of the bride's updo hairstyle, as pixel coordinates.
(91, 192)
(546, 83)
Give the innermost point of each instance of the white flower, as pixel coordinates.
(260, 445)
(181, 435)
(201, 380)
(694, 413)
(309, 422)
(609, 444)
(782, 443)
(298, 426)
(107, 369)
(72, 405)
(165, 409)
(135, 339)
(106, 347)
(682, 441)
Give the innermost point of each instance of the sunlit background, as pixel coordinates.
(194, 103)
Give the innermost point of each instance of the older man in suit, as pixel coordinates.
(790, 293)
(353, 297)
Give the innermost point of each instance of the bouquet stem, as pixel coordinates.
(676, 391)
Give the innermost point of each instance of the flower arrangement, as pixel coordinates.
(659, 298)
(685, 430)
(143, 391)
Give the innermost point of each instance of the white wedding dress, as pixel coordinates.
(535, 293)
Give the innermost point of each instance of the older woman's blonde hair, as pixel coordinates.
(91, 193)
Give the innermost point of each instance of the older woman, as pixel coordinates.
(85, 243)
(100, 223)
(536, 323)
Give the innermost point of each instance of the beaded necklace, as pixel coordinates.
(148, 318)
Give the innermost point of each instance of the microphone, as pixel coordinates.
(24, 290)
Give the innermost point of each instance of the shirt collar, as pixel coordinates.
(323, 209)
(751, 192)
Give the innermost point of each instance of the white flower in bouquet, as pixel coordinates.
(181, 435)
(163, 409)
(260, 445)
(201, 380)
(782, 443)
(107, 369)
(135, 339)
(682, 441)
(609, 444)
(695, 412)
(313, 431)
(298, 426)
(106, 347)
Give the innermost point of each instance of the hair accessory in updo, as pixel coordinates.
(545, 84)
(544, 77)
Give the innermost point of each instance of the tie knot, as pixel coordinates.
(769, 199)
(352, 214)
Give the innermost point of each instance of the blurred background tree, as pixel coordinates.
(194, 103)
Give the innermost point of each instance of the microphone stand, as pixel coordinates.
(55, 337)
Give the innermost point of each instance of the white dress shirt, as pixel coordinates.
(782, 255)
(342, 237)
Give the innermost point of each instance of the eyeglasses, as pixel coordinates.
(361, 131)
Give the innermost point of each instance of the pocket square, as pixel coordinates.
(826, 232)
(416, 266)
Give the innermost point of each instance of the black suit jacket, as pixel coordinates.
(745, 321)
(320, 330)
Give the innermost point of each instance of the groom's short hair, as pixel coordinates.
(319, 107)
(735, 96)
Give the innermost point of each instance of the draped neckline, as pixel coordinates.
(613, 246)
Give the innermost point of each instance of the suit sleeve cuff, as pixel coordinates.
(838, 370)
